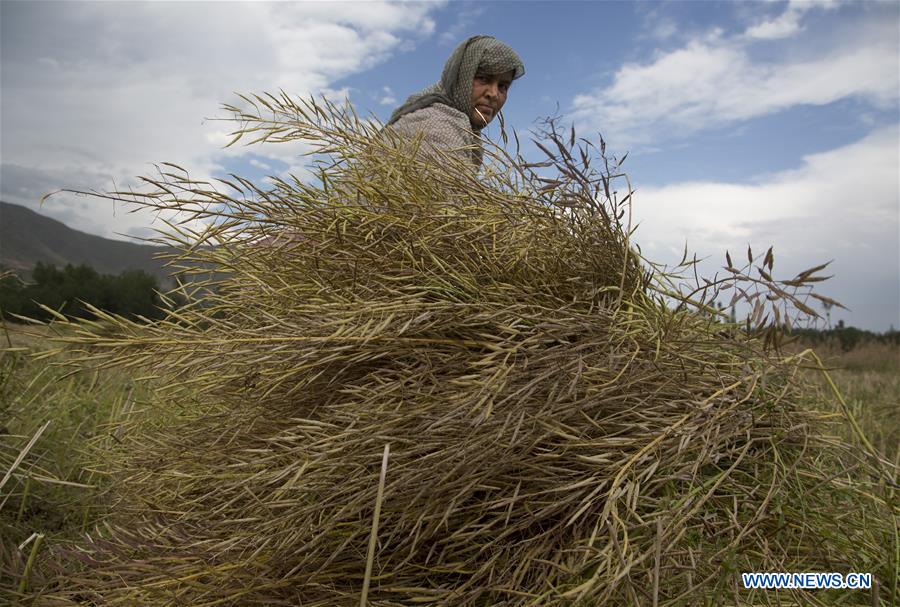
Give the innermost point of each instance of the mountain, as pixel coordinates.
(27, 237)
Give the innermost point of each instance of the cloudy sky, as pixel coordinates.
(752, 123)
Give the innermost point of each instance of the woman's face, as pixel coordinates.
(488, 96)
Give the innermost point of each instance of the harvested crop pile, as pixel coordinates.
(560, 429)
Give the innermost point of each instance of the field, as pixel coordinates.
(53, 423)
(54, 484)
(869, 380)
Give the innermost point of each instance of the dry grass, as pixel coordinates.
(559, 434)
(869, 379)
(868, 356)
(54, 431)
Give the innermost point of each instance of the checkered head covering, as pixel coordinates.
(483, 53)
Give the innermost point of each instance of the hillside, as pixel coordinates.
(27, 238)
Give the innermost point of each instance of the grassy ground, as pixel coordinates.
(868, 378)
(54, 484)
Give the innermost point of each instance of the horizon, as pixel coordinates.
(837, 325)
(746, 124)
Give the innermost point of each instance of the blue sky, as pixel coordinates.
(751, 123)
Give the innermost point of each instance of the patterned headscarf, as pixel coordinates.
(455, 88)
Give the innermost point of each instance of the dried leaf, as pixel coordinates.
(769, 259)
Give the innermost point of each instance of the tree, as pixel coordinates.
(69, 291)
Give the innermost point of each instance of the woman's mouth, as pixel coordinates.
(486, 112)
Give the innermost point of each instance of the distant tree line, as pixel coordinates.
(847, 337)
(131, 294)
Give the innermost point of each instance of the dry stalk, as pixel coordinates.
(561, 432)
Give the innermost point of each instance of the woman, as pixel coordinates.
(450, 114)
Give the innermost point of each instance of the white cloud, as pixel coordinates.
(388, 98)
(99, 91)
(260, 165)
(714, 80)
(784, 25)
(843, 204)
(787, 23)
(467, 13)
(664, 30)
